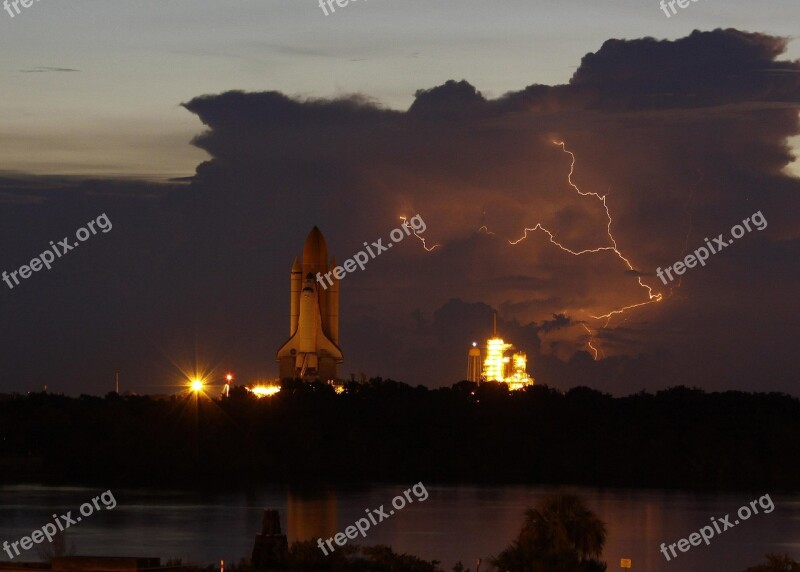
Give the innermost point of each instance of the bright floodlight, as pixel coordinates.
(264, 390)
(229, 377)
(196, 385)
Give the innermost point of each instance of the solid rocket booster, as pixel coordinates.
(297, 280)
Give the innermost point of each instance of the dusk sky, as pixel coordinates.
(215, 135)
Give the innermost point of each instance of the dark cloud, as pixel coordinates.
(559, 321)
(44, 69)
(703, 69)
(681, 139)
(448, 101)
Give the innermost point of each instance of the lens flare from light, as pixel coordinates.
(196, 385)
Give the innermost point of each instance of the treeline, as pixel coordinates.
(389, 431)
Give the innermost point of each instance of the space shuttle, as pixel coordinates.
(312, 351)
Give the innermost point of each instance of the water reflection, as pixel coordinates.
(310, 515)
(454, 523)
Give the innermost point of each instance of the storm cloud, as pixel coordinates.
(683, 138)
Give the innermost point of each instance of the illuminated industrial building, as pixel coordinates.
(518, 378)
(497, 366)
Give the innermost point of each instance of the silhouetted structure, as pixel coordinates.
(271, 548)
(474, 363)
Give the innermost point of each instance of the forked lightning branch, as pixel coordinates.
(413, 226)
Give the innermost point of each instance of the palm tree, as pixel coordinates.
(777, 563)
(561, 535)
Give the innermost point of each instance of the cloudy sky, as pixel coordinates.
(215, 135)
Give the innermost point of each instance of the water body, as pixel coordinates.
(454, 523)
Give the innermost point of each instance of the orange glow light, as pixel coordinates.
(264, 390)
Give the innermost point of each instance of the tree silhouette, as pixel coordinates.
(561, 535)
(777, 563)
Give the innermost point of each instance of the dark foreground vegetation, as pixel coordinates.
(388, 431)
(383, 559)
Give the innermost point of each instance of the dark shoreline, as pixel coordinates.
(386, 432)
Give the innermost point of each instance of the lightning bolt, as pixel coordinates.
(652, 297)
(424, 244)
(591, 337)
